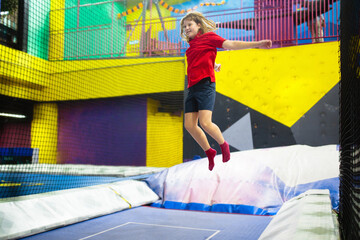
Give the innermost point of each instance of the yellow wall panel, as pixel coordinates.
(26, 76)
(44, 131)
(57, 24)
(20, 66)
(112, 78)
(281, 83)
(164, 138)
(22, 75)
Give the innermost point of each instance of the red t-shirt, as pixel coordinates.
(201, 57)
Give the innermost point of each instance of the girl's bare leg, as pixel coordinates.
(205, 118)
(214, 131)
(191, 125)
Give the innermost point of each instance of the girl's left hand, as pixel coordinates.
(265, 44)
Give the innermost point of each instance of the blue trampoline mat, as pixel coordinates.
(148, 223)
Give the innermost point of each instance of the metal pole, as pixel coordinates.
(132, 30)
(77, 30)
(143, 36)
(156, 2)
(112, 29)
(148, 38)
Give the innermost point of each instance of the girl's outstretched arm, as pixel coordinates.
(236, 45)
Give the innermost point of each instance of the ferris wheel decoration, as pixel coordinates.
(182, 11)
(171, 8)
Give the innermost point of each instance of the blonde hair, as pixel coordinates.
(206, 25)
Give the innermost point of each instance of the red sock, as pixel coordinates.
(211, 153)
(225, 151)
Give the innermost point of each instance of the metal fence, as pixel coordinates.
(94, 30)
(285, 22)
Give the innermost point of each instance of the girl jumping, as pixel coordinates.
(199, 104)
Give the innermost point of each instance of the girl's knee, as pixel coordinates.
(205, 124)
(189, 126)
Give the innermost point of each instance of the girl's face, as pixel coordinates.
(191, 29)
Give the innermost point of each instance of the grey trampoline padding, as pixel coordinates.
(79, 169)
(147, 223)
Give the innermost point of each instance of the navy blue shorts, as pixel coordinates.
(201, 96)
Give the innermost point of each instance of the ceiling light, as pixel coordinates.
(12, 115)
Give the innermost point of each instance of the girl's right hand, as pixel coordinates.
(217, 67)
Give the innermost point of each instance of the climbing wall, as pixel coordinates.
(276, 97)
